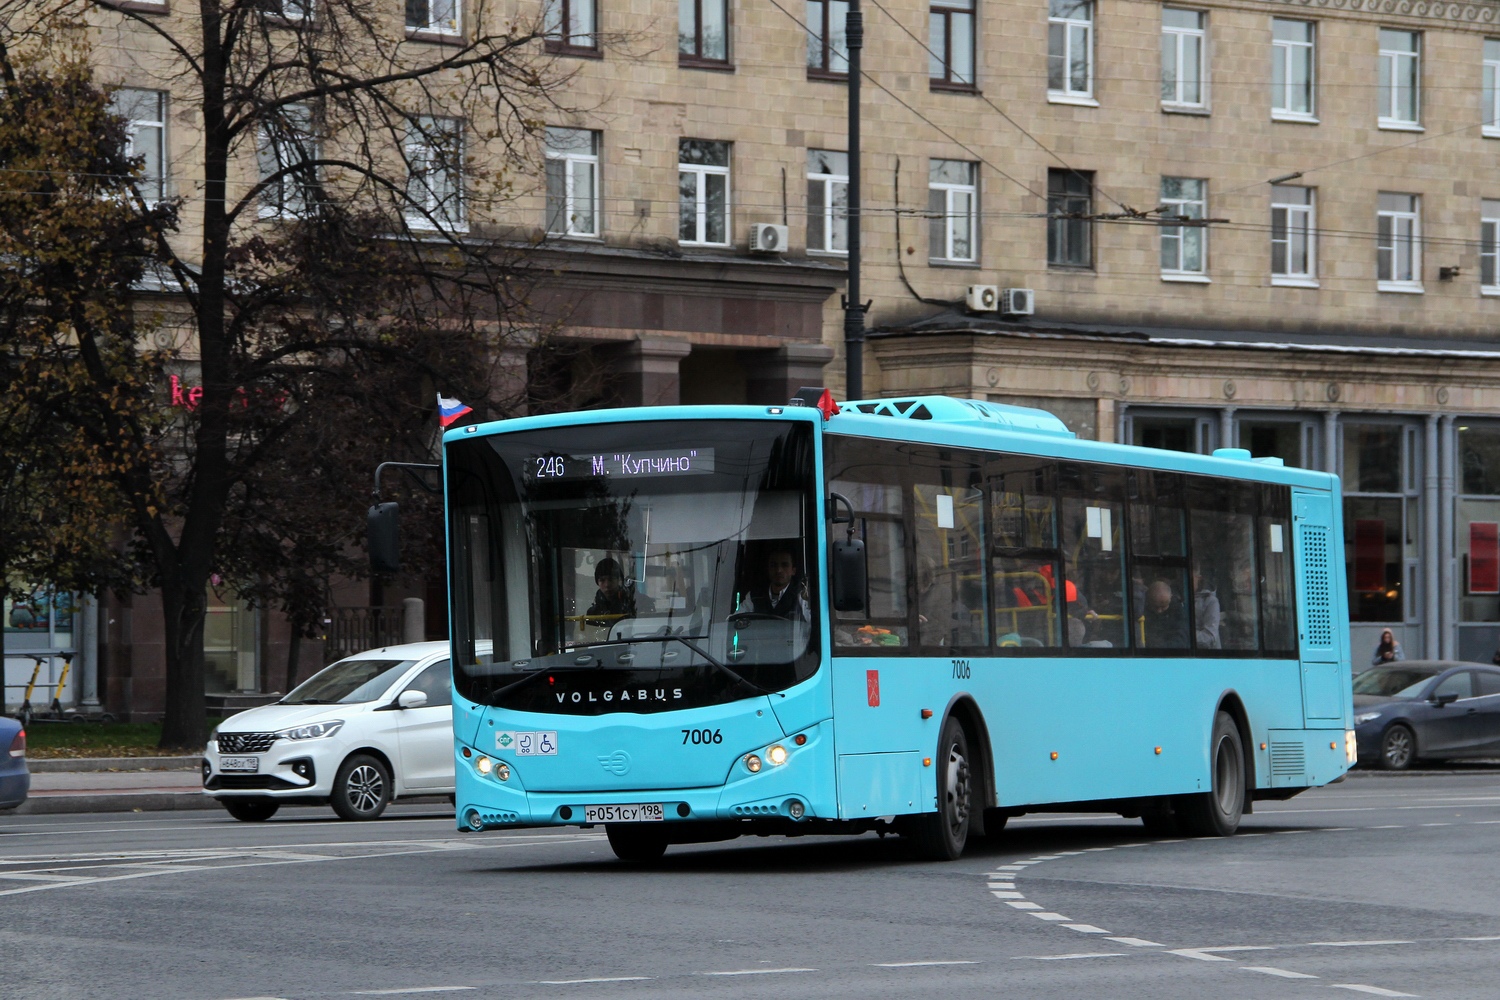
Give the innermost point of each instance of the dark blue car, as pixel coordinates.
(15, 780)
(1430, 709)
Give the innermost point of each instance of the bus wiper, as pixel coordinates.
(548, 668)
(716, 663)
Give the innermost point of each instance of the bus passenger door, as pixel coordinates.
(1317, 605)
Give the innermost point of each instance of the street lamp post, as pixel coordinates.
(854, 309)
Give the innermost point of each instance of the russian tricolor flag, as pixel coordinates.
(451, 410)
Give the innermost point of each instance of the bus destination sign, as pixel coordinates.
(623, 464)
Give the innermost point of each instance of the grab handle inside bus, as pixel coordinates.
(383, 532)
(848, 567)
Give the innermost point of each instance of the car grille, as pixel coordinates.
(245, 742)
(247, 782)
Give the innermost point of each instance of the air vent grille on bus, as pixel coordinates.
(952, 410)
(1317, 594)
(1288, 758)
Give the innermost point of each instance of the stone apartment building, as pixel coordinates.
(1270, 224)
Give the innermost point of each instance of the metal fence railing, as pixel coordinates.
(352, 630)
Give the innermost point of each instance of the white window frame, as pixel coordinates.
(1391, 62)
(1193, 208)
(152, 189)
(1282, 52)
(1405, 226)
(1490, 89)
(948, 190)
(1072, 28)
(444, 17)
(1489, 245)
(573, 162)
(1298, 217)
(830, 183)
(285, 198)
(701, 171)
(1177, 37)
(420, 152)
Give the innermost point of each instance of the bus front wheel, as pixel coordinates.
(941, 836)
(636, 842)
(1217, 812)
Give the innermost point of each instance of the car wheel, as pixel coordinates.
(637, 842)
(251, 810)
(941, 836)
(1217, 812)
(1398, 748)
(362, 788)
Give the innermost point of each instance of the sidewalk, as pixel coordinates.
(120, 784)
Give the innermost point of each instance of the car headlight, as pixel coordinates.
(311, 731)
(1363, 717)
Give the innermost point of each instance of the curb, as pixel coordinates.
(56, 765)
(97, 802)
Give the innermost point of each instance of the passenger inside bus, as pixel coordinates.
(614, 599)
(1166, 623)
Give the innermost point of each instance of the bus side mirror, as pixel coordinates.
(383, 533)
(849, 583)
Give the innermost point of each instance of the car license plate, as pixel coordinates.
(251, 764)
(644, 812)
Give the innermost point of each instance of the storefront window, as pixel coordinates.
(1292, 441)
(41, 619)
(1180, 431)
(1381, 521)
(229, 646)
(1477, 527)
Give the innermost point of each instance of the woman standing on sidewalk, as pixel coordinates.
(1388, 650)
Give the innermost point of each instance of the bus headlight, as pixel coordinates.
(502, 770)
(752, 764)
(777, 755)
(483, 765)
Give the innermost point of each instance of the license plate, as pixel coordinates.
(645, 812)
(239, 763)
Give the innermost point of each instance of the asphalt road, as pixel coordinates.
(1376, 887)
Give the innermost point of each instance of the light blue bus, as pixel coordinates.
(920, 616)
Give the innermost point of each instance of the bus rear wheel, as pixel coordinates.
(941, 836)
(637, 842)
(1217, 812)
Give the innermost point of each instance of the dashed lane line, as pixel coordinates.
(1086, 928)
(1375, 990)
(1136, 942)
(755, 972)
(1078, 954)
(402, 991)
(1210, 954)
(594, 979)
(922, 965)
(1271, 971)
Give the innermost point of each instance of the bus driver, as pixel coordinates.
(783, 596)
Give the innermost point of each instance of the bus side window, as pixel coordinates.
(878, 512)
(1094, 562)
(949, 562)
(1278, 610)
(1024, 569)
(1225, 613)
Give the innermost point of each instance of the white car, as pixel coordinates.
(363, 731)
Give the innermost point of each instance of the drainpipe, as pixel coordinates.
(1431, 568)
(1447, 455)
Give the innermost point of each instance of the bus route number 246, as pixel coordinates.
(701, 737)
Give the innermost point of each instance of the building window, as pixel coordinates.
(1070, 48)
(286, 151)
(950, 43)
(1293, 229)
(1292, 69)
(572, 182)
(703, 192)
(1184, 248)
(953, 208)
(569, 26)
(145, 114)
(1183, 57)
(1399, 243)
(1070, 231)
(286, 10)
(438, 17)
(827, 201)
(827, 46)
(1381, 520)
(1478, 522)
(434, 151)
(1491, 107)
(703, 31)
(1489, 247)
(1400, 77)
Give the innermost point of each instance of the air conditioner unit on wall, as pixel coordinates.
(767, 237)
(982, 298)
(1017, 301)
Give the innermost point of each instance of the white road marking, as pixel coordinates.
(597, 979)
(1283, 973)
(1000, 894)
(1207, 954)
(754, 972)
(1055, 917)
(1389, 826)
(1361, 988)
(1086, 928)
(919, 965)
(1288, 833)
(1351, 944)
(1136, 942)
(1002, 885)
(1046, 857)
(413, 989)
(1437, 824)
(1478, 939)
(1024, 905)
(1078, 954)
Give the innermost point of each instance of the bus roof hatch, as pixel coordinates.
(952, 410)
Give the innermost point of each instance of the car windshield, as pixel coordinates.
(348, 682)
(608, 560)
(1394, 682)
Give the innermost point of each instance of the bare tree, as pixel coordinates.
(333, 229)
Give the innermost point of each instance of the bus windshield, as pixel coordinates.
(634, 567)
